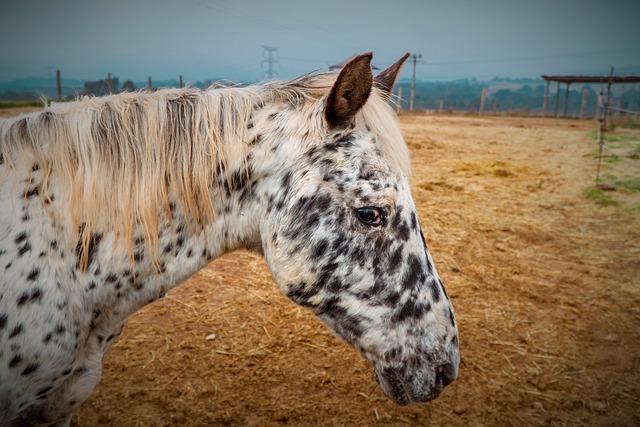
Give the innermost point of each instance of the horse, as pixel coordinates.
(109, 202)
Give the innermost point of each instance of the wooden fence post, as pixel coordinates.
(566, 100)
(483, 98)
(583, 103)
(109, 83)
(546, 99)
(556, 104)
(58, 85)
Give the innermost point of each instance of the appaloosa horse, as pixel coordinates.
(106, 203)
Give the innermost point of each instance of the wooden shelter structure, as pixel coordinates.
(569, 80)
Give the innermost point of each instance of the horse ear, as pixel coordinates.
(387, 78)
(350, 91)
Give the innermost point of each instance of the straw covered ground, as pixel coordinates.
(544, 278)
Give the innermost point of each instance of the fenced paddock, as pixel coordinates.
(544, 278)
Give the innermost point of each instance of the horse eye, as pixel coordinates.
(369, 216)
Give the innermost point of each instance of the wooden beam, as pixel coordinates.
(546, 98)
(556, 104)
(566, 100)
(583, 103)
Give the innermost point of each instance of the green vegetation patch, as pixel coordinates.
(631, 184)
(599, 197)
(19, 104)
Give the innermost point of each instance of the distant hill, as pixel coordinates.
(28, 88)
(504, 94)
(37, 87)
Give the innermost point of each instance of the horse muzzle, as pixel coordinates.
(406, 385)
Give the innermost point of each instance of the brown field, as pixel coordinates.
(544, 275)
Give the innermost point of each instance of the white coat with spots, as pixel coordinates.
(107, 203)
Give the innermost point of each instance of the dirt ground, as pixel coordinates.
(545, 283)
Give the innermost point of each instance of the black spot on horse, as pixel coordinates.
(44, 390)
(24, 249)
(15, 360)
(411, 310)
(414, 221)
(403, 231)
(47, 338)
(392, 298)
(301, 294)
(32, 192)
(31, 368)
(16, 331)
(20, 238)
(320, 248)
(358, 255)
(23, 298)
(3, 321)
(331, 308)
(413, 273)
(351, 325)
(395, 260)
(33, 275)
(435, 290)
(286, 181)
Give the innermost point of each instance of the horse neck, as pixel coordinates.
(244, 191)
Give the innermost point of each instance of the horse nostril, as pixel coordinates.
(445, 374)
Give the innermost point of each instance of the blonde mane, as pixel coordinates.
(123, 158)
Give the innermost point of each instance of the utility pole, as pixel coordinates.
(149, 84)
(58, 85)
(180, 84)
(271, 53)
(399, 102)
(412, 98)
(109, 83)
(483, 99)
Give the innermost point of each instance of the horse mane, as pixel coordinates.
(124, 158)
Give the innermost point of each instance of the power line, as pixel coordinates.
(270, 52)
(533, 58)
(412, 98)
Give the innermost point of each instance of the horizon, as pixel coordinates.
(211, 39)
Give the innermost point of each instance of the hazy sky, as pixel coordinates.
(222, 38)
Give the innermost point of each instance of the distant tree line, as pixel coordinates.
(517, 96)
(504, 94)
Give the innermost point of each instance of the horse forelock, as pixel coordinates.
(125, 157)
